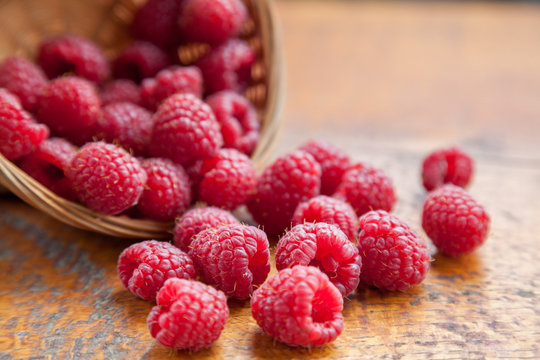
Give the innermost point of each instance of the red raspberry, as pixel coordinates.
(156, 22)
(70, 106)
(366, 188)
(140, 60)
(57, 152)
(48, 175)
(328, 210)
(122, 90)
(185, 130)
(189, 315)
(198, 219)
(7, 97)
(233, 258)
(290, 180)
(240, 125)
(299, 307)
(212, 21)
(167, 192)
(24, 79)
(144, 267)
(106, 178)
(394, 257)
(71, 54)
(445, 166)
(228, 66)
(455, 222)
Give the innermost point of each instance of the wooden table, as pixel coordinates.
(388, 82)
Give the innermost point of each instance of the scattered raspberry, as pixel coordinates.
(328, 210)
(233, 258)
(140, 60)
(290, 180)
(189, 315)
(446, 166)
(394, 257)
(454, 221)
(167, 192)
(156, 22)
(24, 79)
(122, 90)
(57, 152)
(240, 125)
(48, 175)
(7, 97)
(299, 307)
(106, 178)
(185, 130)
(73, 55)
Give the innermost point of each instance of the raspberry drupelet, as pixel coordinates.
(23, 79)
(447, 166)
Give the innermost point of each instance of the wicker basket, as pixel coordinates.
(24, 23)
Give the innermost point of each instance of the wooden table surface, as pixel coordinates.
(388, 82)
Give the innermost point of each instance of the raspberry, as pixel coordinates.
(328, 210)
(299, 307)
(24, 79)
(446, 166)
(7, 97)
(229, 179)
(57, 152)
(228, 66)
(455, 222)
(212, 21)
(106, 178)
(71, 54)
(185, 130)
(198, 219)
(48, 175)
(290, 180)
(156, 22)
(140, 60)
(366, 188)
(394, 257)
(70, 106)
(167, 192)
(144, 267)
(122, 90)
(189, 315)
(240, 125)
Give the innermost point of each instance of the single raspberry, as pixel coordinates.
(366, 188)
(394, 257)
(185, 130)
(227, 66)
(299, 307)
(233, 258)
(140, 60)
(455, 222)
(189, 315)
(121, 90)
(57, 152)
(74, 55)
(445, 166)
(20, 135)
(328, 210)
(196, 220)
(106, 178)
(24, 79)
(7, 97)
(48, 175)
(167, 192)
(240, 125)
(156, 22)
(127, 125)
(70, 106)
(334, 163)
(144, 267)
(290, 180)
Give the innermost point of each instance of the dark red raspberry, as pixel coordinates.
(228, 66)
(455, 222)
(240, 125)
(48, 175)
(328, 210)
(106, 178)
(140, 60)
(189, 315)
(122, 90)
(195, 173)
(233, 258)
(167, 193)
(299, 307)
(57, 152)
(185, 130)
(447, 166)
(366, 188)
(144, 267)
(198, 219)
(74, 55)
(7, 97)
(290, 180)
(394, 257)
(156, 22)
(70, 106)
(24, 79)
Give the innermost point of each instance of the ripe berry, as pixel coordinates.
(47, 175)
(140, 60)
(156, 22)
(447, 166)
(7, 97)
(121, 90)
(24, 79)
(57, 152)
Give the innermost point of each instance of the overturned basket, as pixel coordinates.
(24, 23)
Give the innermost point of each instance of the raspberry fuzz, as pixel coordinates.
(445, 166)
